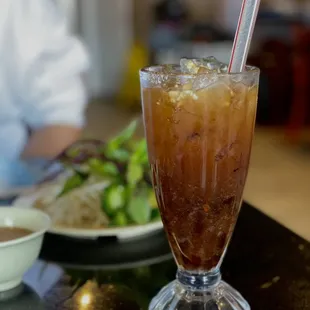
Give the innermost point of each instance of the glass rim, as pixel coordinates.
(250, 70)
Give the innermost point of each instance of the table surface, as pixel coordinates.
(266, 262)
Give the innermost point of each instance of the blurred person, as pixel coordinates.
(170, 18)
(42, 96)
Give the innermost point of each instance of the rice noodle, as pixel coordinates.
(80, 208)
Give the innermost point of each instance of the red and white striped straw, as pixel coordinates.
(243, 37)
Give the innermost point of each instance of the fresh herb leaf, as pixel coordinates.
(118, 141)
(152, 199)
(113, 198)
(134, 173)
(72, 183)
(155, 214)
(135, 170)
(104, 169)
(139, 154)
(120, 155)
(73, 152)
(120, 219)
(139, 210)
(109, 169)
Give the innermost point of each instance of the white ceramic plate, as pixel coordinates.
(123, 233)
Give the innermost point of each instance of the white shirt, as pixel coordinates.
(40, 72)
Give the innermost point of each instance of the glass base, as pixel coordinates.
(195, 292)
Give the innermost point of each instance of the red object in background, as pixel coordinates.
(301, 75)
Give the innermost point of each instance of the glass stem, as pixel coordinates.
(199, 281)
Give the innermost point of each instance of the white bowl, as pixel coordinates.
(18, 255)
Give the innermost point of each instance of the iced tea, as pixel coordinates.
(199, 132)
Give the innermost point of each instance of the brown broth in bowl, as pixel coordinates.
(11, 233)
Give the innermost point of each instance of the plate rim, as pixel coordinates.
(105, 232)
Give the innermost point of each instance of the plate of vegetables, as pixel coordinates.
(104, 190)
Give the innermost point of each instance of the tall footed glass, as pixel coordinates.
(199, 130)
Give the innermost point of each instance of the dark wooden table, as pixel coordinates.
(266, 262)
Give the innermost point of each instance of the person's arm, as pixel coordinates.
(58, 137)
(51, 61)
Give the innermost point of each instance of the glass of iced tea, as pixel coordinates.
(199, 122)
